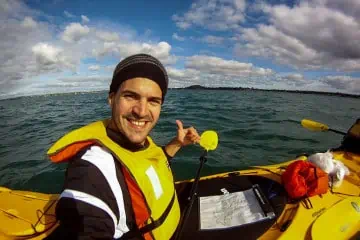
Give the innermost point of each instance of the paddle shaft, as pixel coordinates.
(336, 131)
(317, 126)
(192, 196)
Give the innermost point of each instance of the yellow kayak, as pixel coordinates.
(245, 204)
(334, 215)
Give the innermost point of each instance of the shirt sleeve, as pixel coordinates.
(78, 219)
(169, 158)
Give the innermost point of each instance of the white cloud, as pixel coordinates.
(294, 77)
(215, 65)
(78, 80)
(5, 6)
(110, 68)
(33, 53)
(182, 74)
(28, 22)
(18, 34)
(14, 9)
(85, 19)
(106, 49)
(267, 41)
(94, 68)
(310, 35)
(177, 37)
(319, 28)
(70, 84)
(188, 76)
(214, 40)
(32, 49)
(294, 81)
(159, 50)
(347, 83)
(333, 83)
(185, 77)
(348, 7)
(218, 15)
(51, 58)
(107, 36)
(74, 32)
(69, 15)
(46, 54)
(217, 72)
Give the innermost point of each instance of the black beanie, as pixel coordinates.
(140, 65)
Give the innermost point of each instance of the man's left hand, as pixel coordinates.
(186, 136)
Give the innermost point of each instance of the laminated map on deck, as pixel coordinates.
(234, 209)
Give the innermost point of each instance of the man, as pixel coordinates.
(351, 140)
(118, 182)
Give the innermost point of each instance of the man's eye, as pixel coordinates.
(155, 102)
(129, 96)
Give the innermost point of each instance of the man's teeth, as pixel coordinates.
(137, 123)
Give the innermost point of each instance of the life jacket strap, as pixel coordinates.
(158, 222)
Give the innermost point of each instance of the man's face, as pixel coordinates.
(136, 108)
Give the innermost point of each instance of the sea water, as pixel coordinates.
(254, 128)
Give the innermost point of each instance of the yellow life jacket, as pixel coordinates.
(148, 167)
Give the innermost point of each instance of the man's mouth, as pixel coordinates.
(137, 124)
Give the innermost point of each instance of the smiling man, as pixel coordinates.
(118, 183)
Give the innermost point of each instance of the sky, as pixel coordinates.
(57, 46)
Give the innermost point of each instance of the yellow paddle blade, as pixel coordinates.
(209, 140)
(314, 126)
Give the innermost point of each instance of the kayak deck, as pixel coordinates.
(25, 213)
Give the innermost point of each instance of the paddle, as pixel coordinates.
(316, 126)
(209, 141)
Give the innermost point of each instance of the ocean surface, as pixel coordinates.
(254, 128)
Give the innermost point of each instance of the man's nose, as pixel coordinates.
(140, 108)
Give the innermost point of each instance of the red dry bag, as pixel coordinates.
(304, 179)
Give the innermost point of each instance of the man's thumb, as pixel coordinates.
(179, 124)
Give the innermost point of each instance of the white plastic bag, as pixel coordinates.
(323, 161)
(338, 173)
(336, 169)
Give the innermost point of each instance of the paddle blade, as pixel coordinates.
(314, 126)
(209, 140)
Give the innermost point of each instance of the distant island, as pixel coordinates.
(271, 90)
(199, 87)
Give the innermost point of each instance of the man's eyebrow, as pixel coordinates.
(138, 95)
(129, 92)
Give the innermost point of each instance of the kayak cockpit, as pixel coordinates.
(272, 193)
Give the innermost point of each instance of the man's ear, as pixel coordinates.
(111, 98)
